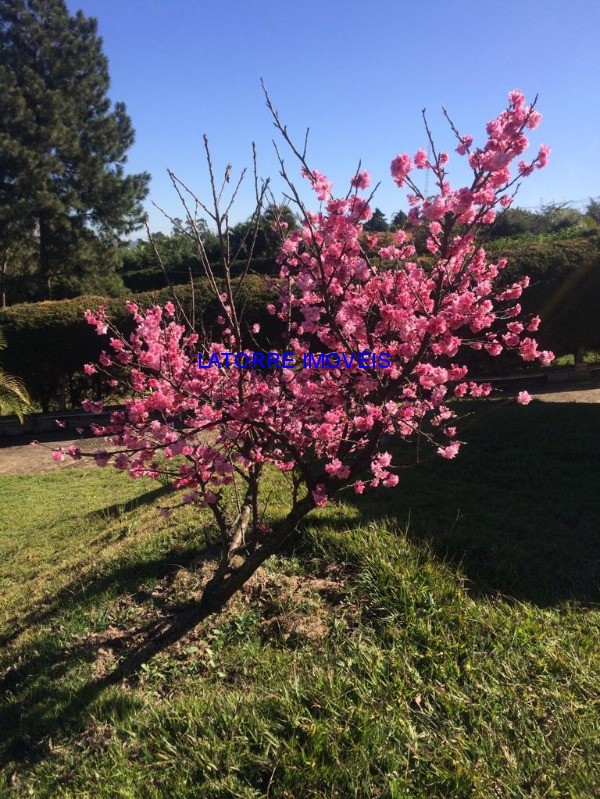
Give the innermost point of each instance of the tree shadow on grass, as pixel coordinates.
(84, 592)
(123, 579)
(517, 512)
(46, 694)
(116, 510)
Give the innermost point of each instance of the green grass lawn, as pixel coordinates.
(437, 640)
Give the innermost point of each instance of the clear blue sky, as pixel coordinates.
(356, 73)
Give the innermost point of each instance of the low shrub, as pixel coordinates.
(48, 342)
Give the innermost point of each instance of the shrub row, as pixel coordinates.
(564, 289)
(142, 280)
(48, 342)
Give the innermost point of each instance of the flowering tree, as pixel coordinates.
(373, 347)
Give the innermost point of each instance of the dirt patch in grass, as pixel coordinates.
(33, 458)
(291, 609)
(570, 394)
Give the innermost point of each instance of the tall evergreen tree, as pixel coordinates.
(62, 148)
(377, 223)
(399, 220)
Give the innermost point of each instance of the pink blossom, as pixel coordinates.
(543, 156)
(320, 184)
(389, 253)
(92, 407)
(209, 427)
(98, 319)
(524, 398)
(421, 159)
(450, 451)
(516, 98)
(528, 349)
(58, 454)
(465, 143)
(525, 169)
(102, 457)
(337, 469)
(534, 120)
(401, 166)
(494, 349)
(362, 180)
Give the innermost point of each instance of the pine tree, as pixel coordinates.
(62, 148)
(377, 223)
(399, 220)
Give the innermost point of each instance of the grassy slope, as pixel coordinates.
(372, 662)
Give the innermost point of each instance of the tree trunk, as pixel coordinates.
(3, 265)
(62, 393)
(217, 592)
(45, 258)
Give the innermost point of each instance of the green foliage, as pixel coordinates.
(13, 394)
(48, 344)
(552, 218)
(63, 148)
(140, 268)
(377, 223)
(18, 266)
(593, 210)
(252, 245)
(564, 269)
(515, 222)
(399, 221)
(260, 239)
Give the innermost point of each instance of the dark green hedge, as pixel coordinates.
(153, 279)
(564, 289)
(48, 342)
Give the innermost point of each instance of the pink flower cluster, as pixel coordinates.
(328, 425)
(491, 169)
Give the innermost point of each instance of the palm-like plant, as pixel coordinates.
(13, 394)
